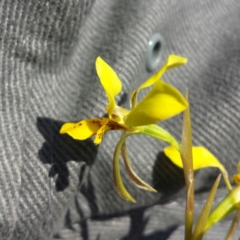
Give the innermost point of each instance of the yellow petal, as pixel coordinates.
(161, 103)
(202, 158)
(110, 82)
(172, 62)
(81, 130)
(101, 131)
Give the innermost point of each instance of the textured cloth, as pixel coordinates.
(53, 187)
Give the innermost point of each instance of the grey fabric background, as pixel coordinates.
(52, 187)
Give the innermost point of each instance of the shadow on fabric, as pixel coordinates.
(137, 228)
(58, 149)
(156, 235)
(168, 179)
(138, 225)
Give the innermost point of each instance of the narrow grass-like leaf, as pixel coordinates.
(233, 226)
(186, 155)
(229, 204)
(201, 223)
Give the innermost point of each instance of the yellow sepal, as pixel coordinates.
(162, 102)
(202, 158)
(81, 130)
(102, 130)
(110, 82)
(172, 62)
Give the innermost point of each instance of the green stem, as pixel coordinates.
(225, 177)
(229, 204)
(187, 161)
(159, 133)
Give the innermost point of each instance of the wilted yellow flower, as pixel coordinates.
(202, 158)
(163, 101)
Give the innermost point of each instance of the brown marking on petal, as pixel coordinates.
(79, 124)
(114, 116)
(115, 126)
(94, 122)
(135, 93)
(97, 122)
(100, 135)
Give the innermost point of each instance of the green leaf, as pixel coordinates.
(201, 223)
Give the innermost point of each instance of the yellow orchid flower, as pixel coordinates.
(202, 158)
(163, 101)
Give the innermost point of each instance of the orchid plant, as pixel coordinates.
(162, 102)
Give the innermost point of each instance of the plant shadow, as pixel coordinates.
(59, 149)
